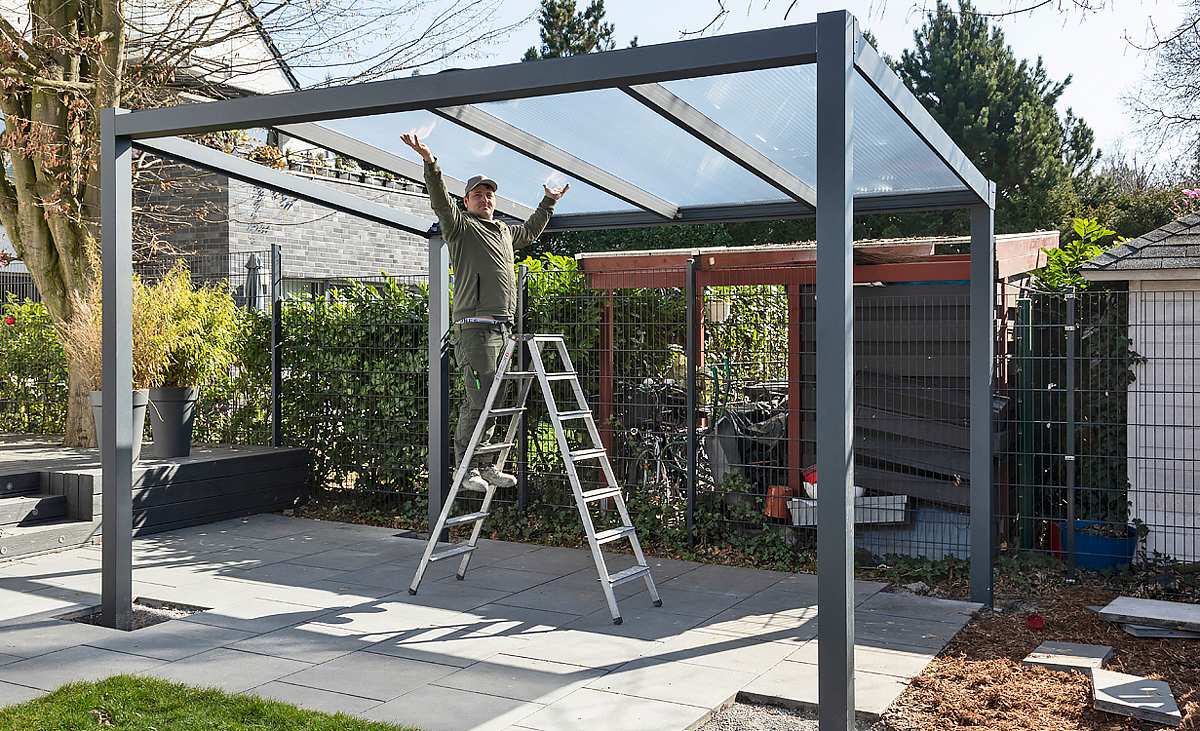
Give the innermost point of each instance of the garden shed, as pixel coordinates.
(1159, 273)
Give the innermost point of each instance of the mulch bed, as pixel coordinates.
(978, 681)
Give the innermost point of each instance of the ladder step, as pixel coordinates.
(614, 534)
(582, 454)
(629, 574)
(466, 518)
(564, 376)
(519, 374)
(566, 415)
(547, 338)
(493, 448)
(508, 411)
(601, 494)
(451, 553)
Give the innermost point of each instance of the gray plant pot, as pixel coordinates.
(172, 411)
(140, 399)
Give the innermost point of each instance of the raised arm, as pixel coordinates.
(527, 233)
(447, 212)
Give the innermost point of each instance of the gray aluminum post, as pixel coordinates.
(692, 358)
(837, 34)
(116, 458)
(439, 373)
(1069, 457)
(983, 276)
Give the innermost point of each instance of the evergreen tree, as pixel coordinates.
(567, 31)
(1001, 112)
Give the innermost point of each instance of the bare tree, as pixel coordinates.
(61, 62)
(1168, 104)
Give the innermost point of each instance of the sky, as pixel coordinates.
(1094, 48)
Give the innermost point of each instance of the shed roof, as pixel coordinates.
(1174, 246)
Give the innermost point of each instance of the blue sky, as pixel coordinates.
(1091, 47)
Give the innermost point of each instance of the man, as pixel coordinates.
(485, 293)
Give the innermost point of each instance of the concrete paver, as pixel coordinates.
(370, 675)
(436, 708)
(521, 678)
(588, 708)
(232, 671)
(314, 699)
(51, 670)
(693, 685)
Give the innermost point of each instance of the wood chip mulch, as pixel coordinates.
(978, 681)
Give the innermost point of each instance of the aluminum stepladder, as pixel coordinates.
(597, 452)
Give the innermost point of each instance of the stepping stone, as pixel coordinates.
(1130, 695)
(1159, 633)
(1069, 656)
(1153, 613)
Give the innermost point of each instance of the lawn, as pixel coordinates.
(127, 703)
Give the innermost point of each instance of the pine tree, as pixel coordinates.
(567, 31)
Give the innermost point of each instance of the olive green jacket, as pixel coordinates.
(481, 251)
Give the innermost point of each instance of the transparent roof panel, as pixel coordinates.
(462, 153)
(774, 110)
(613, 131)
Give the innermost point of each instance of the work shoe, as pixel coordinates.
(497, 478)
(474, 481)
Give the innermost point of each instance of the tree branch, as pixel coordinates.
(79, 87)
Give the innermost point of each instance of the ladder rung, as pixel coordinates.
(546, 338)
(467, 518)
(582, 454)
(493, 448)
(629, 574)
(507, 411)
(451, 553)
(614, 534)
(582, 414)
(601, 494)
(564, 376)
(519, 374)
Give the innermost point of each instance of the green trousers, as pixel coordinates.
(478, 348)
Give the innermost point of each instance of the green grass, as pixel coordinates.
(126, 703)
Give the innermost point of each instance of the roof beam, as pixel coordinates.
(863, 205)
(503, 133)
(693, 121)
(769, 48)
(255, 174)
(893, 91)
(369, 154)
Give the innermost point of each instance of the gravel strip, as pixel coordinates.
(750, 717)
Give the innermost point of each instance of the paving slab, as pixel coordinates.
(370, 675)
(727, 579)
(710, 649)
(585, 649)
(921, 607)
(343, 559)
(678, 600)
(1136, 697)
(6, 659)
(885, 630)
(588, 708)
(794, 685)
(503, 579)
(313, 699)
(171, 640)
(1069, 656)
(257, 615)
(436, 708)
(693, 685)
(546, 560)
(573, 598)
(460, 645)
(12, 694)
(73, 664)
(391, 616)
(1153, 613)
(283, 574)
(642, 620)
(34, 637)
(521, 678)
(899, 661)
(309, 642)
(15, 604)
(1159, 633)
(232, 671)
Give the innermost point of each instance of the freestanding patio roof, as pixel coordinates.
(788, 122)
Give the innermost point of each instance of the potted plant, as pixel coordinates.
(204, 321)
(82, 338)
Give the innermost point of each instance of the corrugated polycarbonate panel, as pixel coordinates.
(774, 110)
(462, 154)
(612, 131)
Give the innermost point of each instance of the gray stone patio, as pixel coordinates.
(317, 614)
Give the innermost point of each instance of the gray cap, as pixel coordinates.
(477, 180)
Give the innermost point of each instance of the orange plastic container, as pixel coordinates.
(777, 502)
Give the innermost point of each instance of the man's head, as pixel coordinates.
(480, 196)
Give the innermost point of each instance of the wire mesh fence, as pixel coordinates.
(1101, 469)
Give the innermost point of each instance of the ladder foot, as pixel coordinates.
(412, 592)
(460, 577)
(658, 602)
(616, 620)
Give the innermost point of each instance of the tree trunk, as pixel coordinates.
(79, 429)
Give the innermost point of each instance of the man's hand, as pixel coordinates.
(556, 193)
(420, 147)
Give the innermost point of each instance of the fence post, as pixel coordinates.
(1025, 423)
(1069, 457)
(276, 346)
(692, 358)
(522, 423)
(439, 374)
